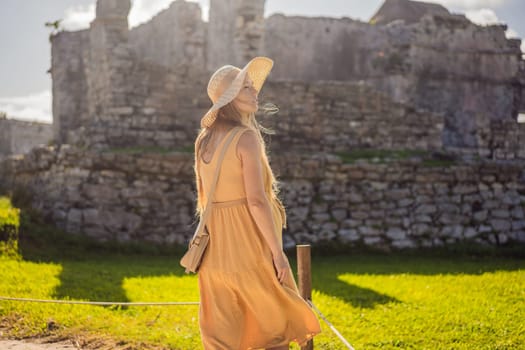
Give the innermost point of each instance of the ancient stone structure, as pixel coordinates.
(235, 32)
(433, 64)
(409, 11)
(410, 203)
(415, 78)
(147, 85)
(119, 99)
(335, 116)
(18, 136)
(173, 37)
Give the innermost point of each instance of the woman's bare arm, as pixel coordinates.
(249, 151)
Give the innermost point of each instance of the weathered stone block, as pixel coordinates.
(518, 225)
(485, 229)
(511, 198)
(368, 231)
(372, 241)
(91, 217)
(396, 233)
(480, 216)
(426, 209)
(500, 213)
(454, 231)
(120, 110)
(355, 197)
(518, 213)
(470, 232)
(326, 235)
(491, 204)
(422, 218)
(448, 208)
(500, 224)
(405, 202)
(464, 189)
(300, 213)
(404, 243)
(321, 217)
(339, 214)
(351, 223)
(359, 215)
(518, 236)
(397, 194)
(319, 207)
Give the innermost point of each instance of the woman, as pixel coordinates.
(249, 299)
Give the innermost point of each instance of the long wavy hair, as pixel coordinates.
(230, 116)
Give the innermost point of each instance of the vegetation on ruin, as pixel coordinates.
(465, 298)
(380, 156)
(367, 155)
(149, 149)
(9, 225)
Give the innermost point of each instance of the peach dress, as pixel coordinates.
(242, 304)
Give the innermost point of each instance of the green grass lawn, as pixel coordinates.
(430, 300)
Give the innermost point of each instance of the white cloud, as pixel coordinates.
(143, 10)
(469, 4)
(510, 34)
(33, 107)
(78, 17)
(486, 16)
(483, 16)
(205, 12)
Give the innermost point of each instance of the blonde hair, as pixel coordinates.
(229, 115)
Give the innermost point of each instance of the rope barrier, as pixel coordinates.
(339, 335)
(113, 303)
(104, 303)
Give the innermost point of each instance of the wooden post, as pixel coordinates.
(304, 275)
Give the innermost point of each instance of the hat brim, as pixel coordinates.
(257, 69)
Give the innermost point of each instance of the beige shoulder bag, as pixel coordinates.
(193, 257)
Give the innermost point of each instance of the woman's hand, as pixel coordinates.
(282, 267)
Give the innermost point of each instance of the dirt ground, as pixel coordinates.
(23, 345)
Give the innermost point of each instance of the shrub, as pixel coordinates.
(9, 225)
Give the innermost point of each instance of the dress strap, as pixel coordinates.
(231, 203)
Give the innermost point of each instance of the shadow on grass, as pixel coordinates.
(92, 270)
(96, 271)
(328, 265)
(351, 294)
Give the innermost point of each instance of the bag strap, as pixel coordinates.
(206, 212)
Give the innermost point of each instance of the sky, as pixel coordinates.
(25, 56)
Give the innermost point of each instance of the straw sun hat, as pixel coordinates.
(227, 81)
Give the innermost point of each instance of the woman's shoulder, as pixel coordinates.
(248, 142)
(246, 132)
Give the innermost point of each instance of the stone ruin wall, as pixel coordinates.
(18, 136)
(69, 52)
(5, 138)
(174, 37)
(161, 107)
(150, 197)
(158, 71)
(434, 65)
(331, 116)
(235, 32)
(123, 97)
(347, 115)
